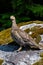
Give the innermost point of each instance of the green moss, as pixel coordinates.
(40, 62)
(38, 22)
(27, 30)
(37, 29)
(5, 36)
(1, 61)
(41, 54)
(25, 23)
(36, 63)
(36, 36)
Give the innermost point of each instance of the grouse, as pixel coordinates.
(21, 37)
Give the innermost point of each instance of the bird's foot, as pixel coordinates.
(19, 49)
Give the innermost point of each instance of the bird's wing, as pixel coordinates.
(28, 39)
(19, 38)
(24, 35)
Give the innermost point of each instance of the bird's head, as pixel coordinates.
(12, 17)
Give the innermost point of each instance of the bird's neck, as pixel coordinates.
(14, 26)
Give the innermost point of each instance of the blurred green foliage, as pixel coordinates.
(23, 10)
(4, 21)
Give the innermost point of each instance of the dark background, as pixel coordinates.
(23, 10)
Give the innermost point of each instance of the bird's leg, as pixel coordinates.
(20, 48)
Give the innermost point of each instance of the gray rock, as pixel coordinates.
(20, 58)
(24, 57)
(7, 63)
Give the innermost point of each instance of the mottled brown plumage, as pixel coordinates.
(21, 37)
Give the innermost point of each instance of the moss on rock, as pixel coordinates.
(40, 62)
(5, 35)
(41, 54)
(1, 61)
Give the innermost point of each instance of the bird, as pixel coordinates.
(21, 37)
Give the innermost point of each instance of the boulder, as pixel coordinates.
(33, 28)
(23, 58)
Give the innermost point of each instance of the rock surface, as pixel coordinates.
(9, 54)
(20, 58)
